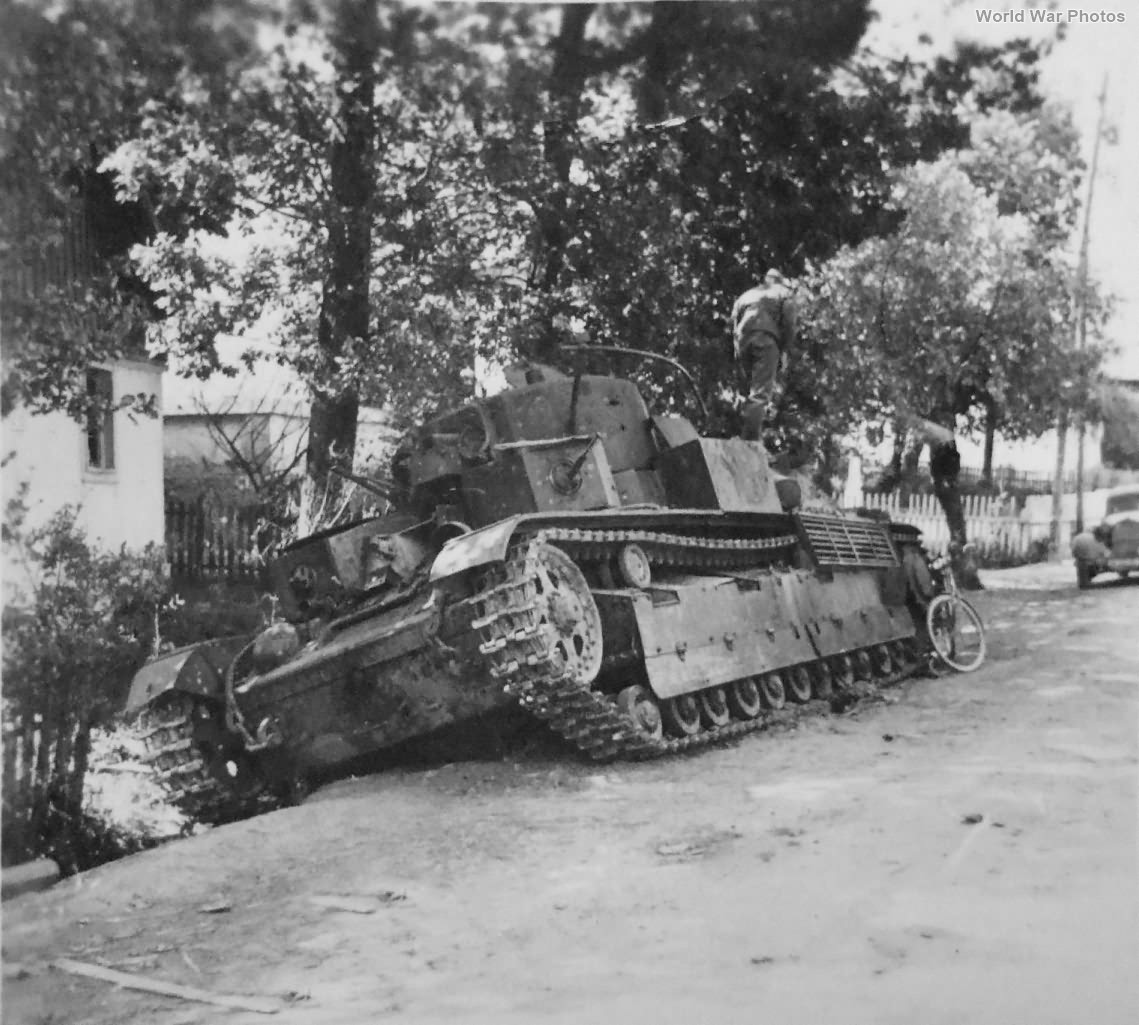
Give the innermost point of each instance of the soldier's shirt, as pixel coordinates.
(763, 310)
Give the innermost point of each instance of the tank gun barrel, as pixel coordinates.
(384, 490)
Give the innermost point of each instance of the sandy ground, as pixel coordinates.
(964, 851)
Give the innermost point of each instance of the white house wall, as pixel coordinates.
(121, 506)
(194, 439)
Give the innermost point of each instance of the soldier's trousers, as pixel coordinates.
(759, 356)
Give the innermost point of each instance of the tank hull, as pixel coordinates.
(638, 587)
(374, 684)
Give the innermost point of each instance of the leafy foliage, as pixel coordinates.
(73, 77)
(964, 318)
(675, 223)
(1119, 411)
(501, 188)
(71, 644)
(440, 230)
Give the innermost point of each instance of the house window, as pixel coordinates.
(100, 422)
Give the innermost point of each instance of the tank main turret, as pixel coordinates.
(555, 445)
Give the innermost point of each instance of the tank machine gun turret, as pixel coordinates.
(638, 586)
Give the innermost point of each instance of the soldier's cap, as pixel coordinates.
(774, 277)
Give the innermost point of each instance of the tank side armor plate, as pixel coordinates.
(848, 611)
(709, 630)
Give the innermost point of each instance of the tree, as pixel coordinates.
(363, 232)
(74, 76)
(484, 173)
(662, 226)
(963, 311)
(647, 61)
(671, 222)
(1119, 411)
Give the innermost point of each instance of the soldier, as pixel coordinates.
(764, 322)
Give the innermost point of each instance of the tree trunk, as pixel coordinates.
(344, 311)
(908, 478)
(945, 468)
(81, 758)
(567, 80)
(331, 441)
(990, 438)
(664, 50)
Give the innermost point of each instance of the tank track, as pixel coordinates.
(678, 551)
(522, 655)
(178, 761)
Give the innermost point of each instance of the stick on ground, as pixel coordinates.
(263, 1005)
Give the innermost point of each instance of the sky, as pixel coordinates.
(1072, 75)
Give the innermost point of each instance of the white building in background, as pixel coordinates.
(258, 415)
(109, 468)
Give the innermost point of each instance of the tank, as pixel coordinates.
(640, 588)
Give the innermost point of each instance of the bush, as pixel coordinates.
(73, 639)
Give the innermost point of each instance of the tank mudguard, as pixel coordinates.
(1086, 548)
(478, 548)
(196, 669)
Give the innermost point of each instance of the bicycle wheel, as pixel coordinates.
(956, 632)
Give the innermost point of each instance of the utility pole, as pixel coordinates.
(1079, 331)
(1082, 328)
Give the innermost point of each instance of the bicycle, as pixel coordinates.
(956, 632)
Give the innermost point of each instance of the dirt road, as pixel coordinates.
(964, 852)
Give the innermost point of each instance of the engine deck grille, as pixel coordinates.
(838, 541)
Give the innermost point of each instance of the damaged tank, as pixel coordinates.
(641, 588)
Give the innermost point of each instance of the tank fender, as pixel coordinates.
(196, 669)
(1087, 549)
(477, 548)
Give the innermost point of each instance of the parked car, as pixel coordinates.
(1114, 544)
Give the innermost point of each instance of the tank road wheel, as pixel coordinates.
(637, 702)
(799, 684)
(898, 655)
(771, 687)
(822, 681)
(681, 715)
(566, 606)
(842, 670)
(633, 566)
(714, 711)
(881, 660)
(744, 699)
(863, 667)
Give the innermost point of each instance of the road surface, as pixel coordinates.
(964, 851)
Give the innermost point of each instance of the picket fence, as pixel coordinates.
(205, 541)
(1002, 537)
(35, 760)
